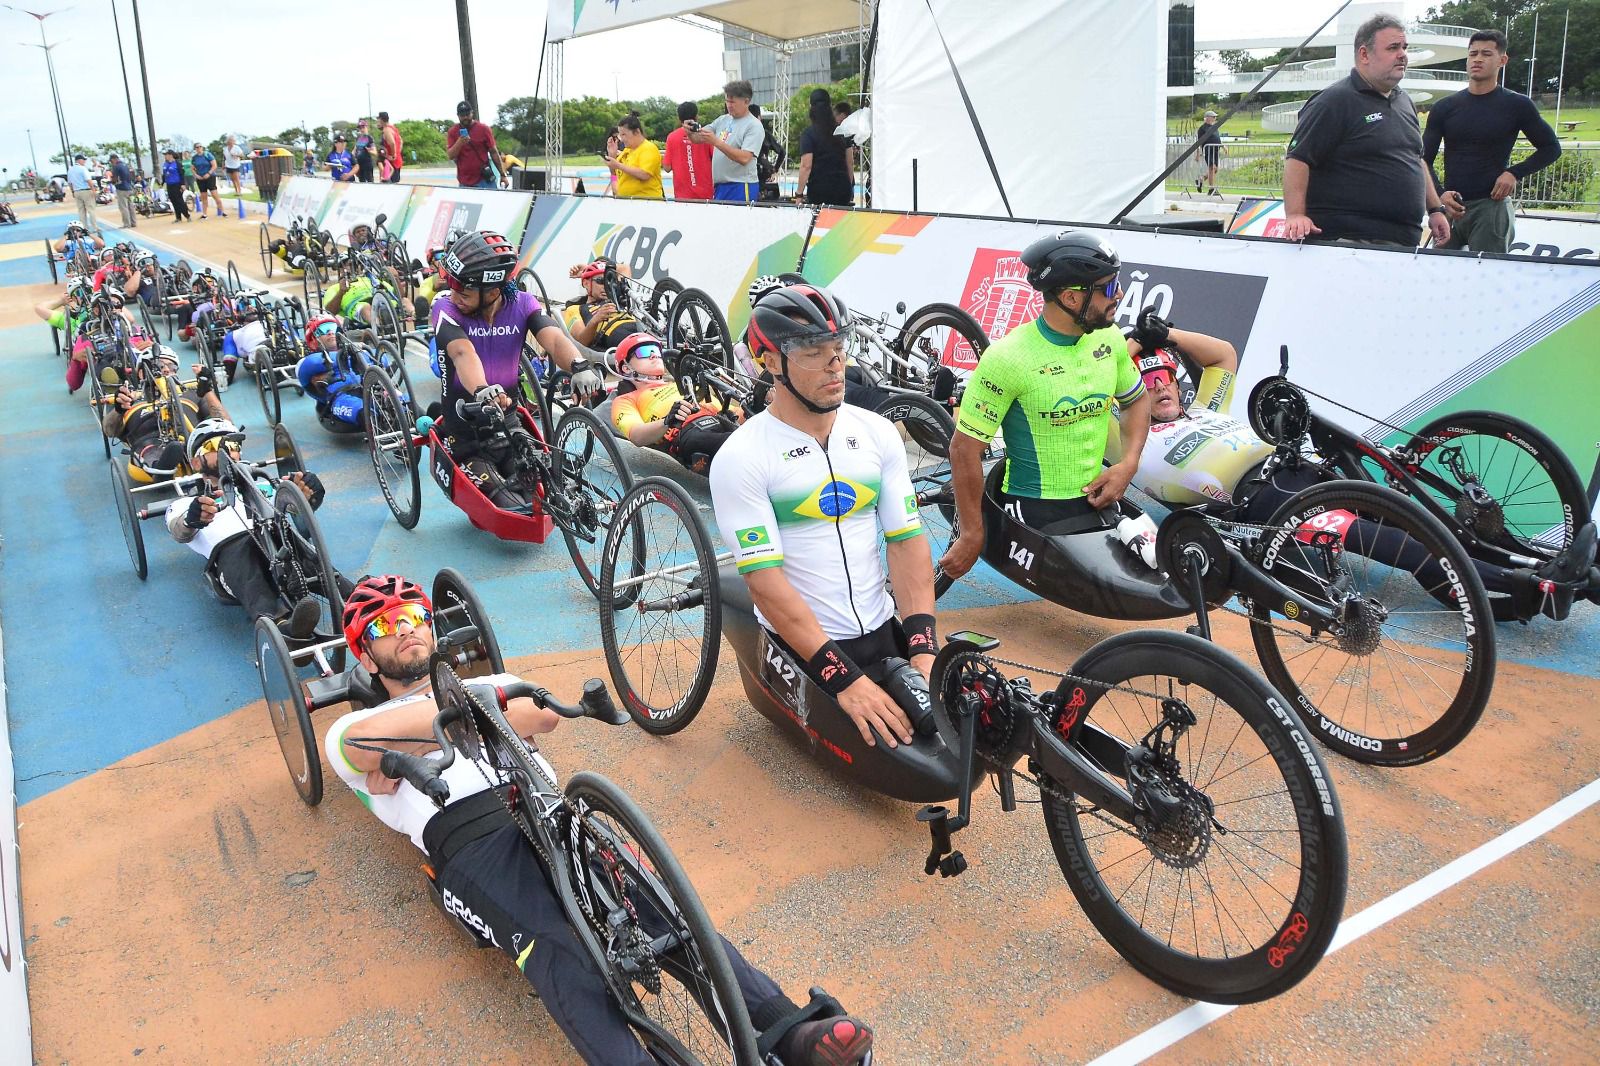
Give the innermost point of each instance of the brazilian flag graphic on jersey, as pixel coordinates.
(754, 537)
(832, 501)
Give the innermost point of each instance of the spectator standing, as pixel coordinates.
(341, 167)
(233, 164)
(311, 163)
(827, 166)
(841, 111)
(1208, 151)
(690, 163)
(736, 137)
(471, 144)
(1479, 127)
(769, 160)
(1355, 171)
(391, 149)
(83, 192)
(172, 178)
(364, 153)
(637, 167)
(122, 182)
(205, 177)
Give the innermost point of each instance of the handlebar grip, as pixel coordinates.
(1283, 360)
(422, 774)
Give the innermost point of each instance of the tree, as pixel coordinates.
(298, 136)
(585, 123)
(124, 149)
(87, 150)
(1583, 37)
(425, 138)
(523, 118)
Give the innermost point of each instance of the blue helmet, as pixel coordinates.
(310, 366)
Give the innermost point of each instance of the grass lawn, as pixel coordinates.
(1242, 124)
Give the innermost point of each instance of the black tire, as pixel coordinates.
(55, 341)
(267, 387)
(235, 282)
(311, 287)
(389, 434)
(209, 357)
(929, 335)
(593, 475)
(315, 562)
(265, 241)
(286, 706)
(388, 358)
(927, 424)
(1367, 695)
(528, 281)
(1504, 454)
(620, 864)
(127, 515)
(386, 322)
(695, 321)
(660, 303)
(533, 396)
(654, 627)
(456, 606)
(147, 322)
(50, 260)
(1259, 770)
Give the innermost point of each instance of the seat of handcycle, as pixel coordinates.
(928, 770)
(1078, 563)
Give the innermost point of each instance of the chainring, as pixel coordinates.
(1185, 540)
(1279, 411)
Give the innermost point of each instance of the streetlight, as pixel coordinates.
(33, 157)
(133, 125)
(144, 78)
(61, 117)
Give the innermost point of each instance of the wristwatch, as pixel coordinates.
(1431, 210)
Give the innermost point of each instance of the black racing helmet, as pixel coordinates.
(795, 316)
(481, 259)
(1069, 259)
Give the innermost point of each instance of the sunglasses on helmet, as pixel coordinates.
(388, 623)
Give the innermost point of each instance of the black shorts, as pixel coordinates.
(1211, 153)
(207, 183)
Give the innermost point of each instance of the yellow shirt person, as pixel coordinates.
(643, 156)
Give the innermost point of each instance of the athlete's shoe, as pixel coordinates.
(302, 621)
(841, 1041)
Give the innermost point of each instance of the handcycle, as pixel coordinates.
(1498, 484)
(627, 899)
(571, 477)
(75, 264)
(683, 318)
(1186, 805)
(301, 238)
(274, 360)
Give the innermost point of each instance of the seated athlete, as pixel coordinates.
(329, 377)
(1050, 386)
(481, 859)
(804, 493)
(77, 238)
(594, 321)
(651, 412)
(221, 535)
(481, 326)
(134, 418)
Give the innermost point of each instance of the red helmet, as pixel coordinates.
(794, 316)
(1157, 359)
(372, 598)
(316, 324)
(633, 343)
(594, 269)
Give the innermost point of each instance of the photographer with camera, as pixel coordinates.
(471, 144)
(737, 137)
(690, 163)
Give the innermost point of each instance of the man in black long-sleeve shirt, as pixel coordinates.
(1479, 127)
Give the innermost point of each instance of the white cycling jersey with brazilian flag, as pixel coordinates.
(820, 513)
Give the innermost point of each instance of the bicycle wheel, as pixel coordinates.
(235, 283)
(533, 395)
(1503, 479)
(928, 428)
(1410, 674)
(311, 287)
(313, 563)
(55, 341)
(681, 999)
(456, 606)
(127, 514)
(50, 259)
(267, 388)
(386, 322)
(265, 241)
(388, 357)
(593, 476)
(286, 706)
(661, 297)
(660, 606)
(1237, 901)
(695, 320)
(939, 335)
(390, 446)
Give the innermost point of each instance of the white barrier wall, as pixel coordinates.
(437, 211)
(350, 203)
(16, 1040)
(300, 196)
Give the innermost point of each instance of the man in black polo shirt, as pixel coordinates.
(1479, 126)
(1355, 171)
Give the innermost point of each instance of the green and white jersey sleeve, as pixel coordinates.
(1200, 458)
(782, 499)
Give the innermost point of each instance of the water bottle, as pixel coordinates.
(1138, 534)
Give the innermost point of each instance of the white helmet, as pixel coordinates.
(761, 286)
(208, 429)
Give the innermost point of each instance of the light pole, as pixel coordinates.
(144, 78)
(469, 75)
(55, 93)
(133, 125)
(34, 158)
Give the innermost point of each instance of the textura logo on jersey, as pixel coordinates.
(1070, 408)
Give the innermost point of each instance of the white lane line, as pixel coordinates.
(1192, 1019)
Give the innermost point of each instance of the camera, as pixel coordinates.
(692, 126)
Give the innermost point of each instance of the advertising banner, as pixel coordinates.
(298, 197)
(16, 1042)
(350, 202)
(437, 211)
(1400, 336)
(719, 248)
(1541, 236)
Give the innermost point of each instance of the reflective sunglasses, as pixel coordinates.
(216, 442)
(1110, 288)
(327, 329)
(1154, 378)
(645, 351)
(388, 624)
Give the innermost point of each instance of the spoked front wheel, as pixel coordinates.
(311, 558)
(390, 446)
(660, 606)
(938, 335)
(592, 478)
(662, 953)
(1407, 675)
(265, 241)
(694, 320)
(1235, 895)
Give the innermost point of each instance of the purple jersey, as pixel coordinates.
(498, 343)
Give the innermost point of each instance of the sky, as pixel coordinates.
(254, 87)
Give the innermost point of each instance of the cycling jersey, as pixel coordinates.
(229, 523)
(648, 403)
(782, 499)
(407, 810)
(1050, 395)
(498, 343)
(611, 331)
(1199, 458)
